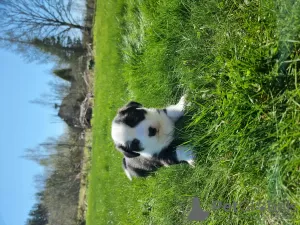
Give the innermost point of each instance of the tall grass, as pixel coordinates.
(238, 61)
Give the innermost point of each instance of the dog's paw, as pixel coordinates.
(175, 112)
(183, 103)
(182, 99)
(184, 153)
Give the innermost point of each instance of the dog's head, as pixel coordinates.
(140, 131)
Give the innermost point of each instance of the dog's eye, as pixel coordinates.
(152, 131)
(135, 145)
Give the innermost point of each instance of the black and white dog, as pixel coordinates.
(145, 136)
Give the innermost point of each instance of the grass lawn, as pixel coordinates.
(239, 62)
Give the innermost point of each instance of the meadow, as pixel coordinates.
(238, 62)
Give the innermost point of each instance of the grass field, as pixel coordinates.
(238, 62)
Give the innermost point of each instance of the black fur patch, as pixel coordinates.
(168, 154)
(140, 172)
(124, 163)
(133, 104)
(131, 114)
(126, 151)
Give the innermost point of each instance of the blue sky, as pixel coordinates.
(23, 125)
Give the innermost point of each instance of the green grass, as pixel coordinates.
(238, 61)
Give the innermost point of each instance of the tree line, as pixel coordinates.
(46, 31)
(57, 198)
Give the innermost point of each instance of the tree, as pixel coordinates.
(38, 215)
(65, 74)
(26, 48)
(57, 49)
(67, 48)
(46, 102)
(59, 89)
(62, 159)
(38, 18)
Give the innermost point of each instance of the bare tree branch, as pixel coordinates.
(38, 18)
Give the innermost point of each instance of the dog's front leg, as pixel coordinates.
(174, 112)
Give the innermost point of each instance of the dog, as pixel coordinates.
(145, 136)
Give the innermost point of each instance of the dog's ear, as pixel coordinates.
(126, 151)
(131, 154)
(134, 104)
(130, 114)
(128, 106)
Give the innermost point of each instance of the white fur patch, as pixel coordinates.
(121, 133)
(176, 111)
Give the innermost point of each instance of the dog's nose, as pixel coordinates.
(152, 131)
